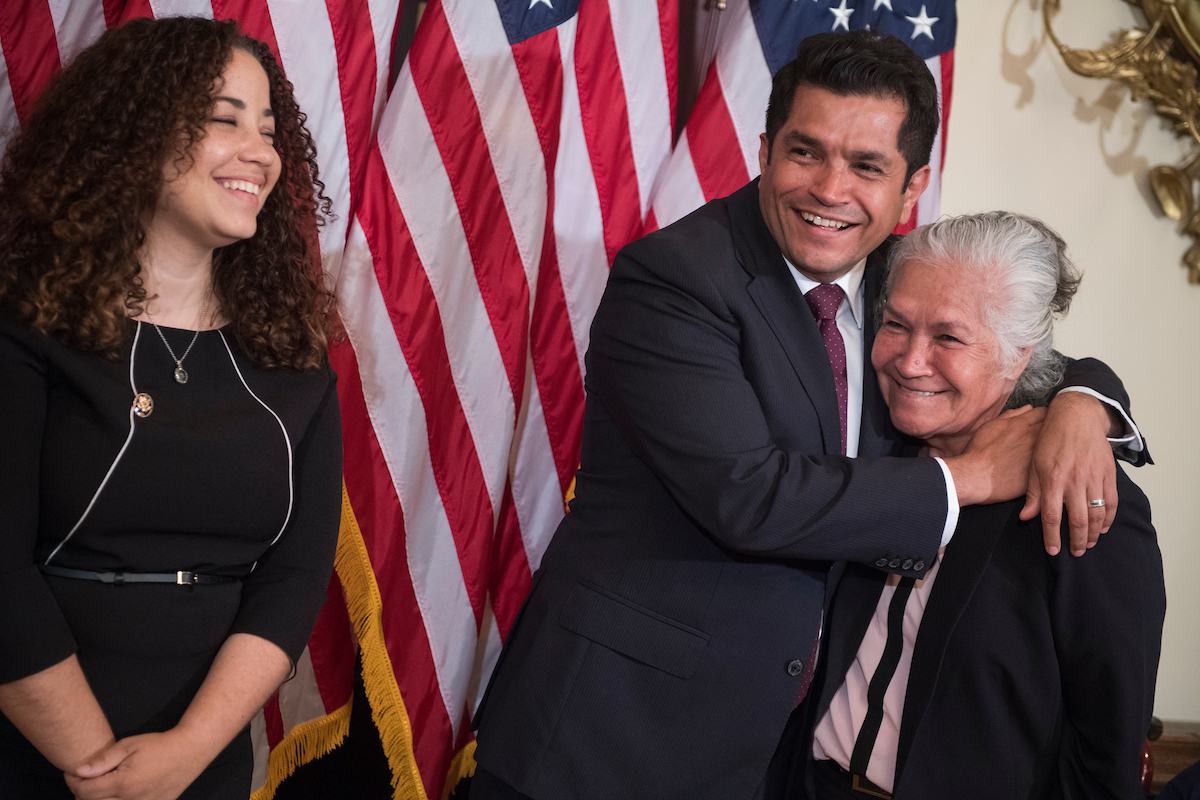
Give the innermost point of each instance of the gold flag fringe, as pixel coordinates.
(570, 495)
(463, 766)
(317, 737)
(379, 680)
(304, 743)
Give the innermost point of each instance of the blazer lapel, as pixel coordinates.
(875, 436)
(963, 563)
(779, 300)
(849, 616)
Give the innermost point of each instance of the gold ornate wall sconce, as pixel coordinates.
(1159, 64)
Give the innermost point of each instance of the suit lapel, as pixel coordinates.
(849, 616)
(963, 563)
(779, 300)
(784, 308)
(876, 436)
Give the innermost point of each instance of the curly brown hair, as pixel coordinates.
(78, 183)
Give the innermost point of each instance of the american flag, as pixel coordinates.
(516, 155)
(479, 207)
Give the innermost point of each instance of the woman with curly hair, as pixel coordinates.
(170, 438)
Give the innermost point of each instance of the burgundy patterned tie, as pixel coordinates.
(824, 301)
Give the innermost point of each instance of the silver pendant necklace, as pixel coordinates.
(181, 376)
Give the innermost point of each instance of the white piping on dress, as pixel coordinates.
(287, 440)
(112, 467)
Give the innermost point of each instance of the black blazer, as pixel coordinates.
(660, 651)
(1032, 676)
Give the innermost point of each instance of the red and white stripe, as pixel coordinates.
(36, 38)
(929, 207)
(502, 181)
(718, 151)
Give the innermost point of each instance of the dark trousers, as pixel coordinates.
(486, 786)
(831, 784)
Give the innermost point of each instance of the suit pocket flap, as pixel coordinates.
(634, 631)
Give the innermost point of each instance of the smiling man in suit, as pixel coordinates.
(735, 450)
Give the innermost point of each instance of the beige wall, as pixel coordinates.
(1027, 134)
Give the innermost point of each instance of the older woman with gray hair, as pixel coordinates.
(956, 685)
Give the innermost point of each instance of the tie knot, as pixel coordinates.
(824, 300)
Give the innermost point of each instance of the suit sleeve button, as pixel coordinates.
(894, 563)
(908, 563)
(795, 667)
(881, 562)
(920, 565)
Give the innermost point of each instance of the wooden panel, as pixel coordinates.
(1177, 749)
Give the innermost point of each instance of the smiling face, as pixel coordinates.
(832, 184)
(216, 200)
(936, 358)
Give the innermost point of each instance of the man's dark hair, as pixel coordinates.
(862, 64)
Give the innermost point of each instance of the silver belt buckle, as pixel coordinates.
(183, 578)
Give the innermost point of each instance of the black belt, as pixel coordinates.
(182, 577)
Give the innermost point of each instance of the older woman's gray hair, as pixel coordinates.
(1024, 268)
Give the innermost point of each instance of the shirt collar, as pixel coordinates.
(851, 284)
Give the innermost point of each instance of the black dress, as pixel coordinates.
(237, 472)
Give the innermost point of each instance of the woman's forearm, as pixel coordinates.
(57, 712)
(247, 670)
(160, 766)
